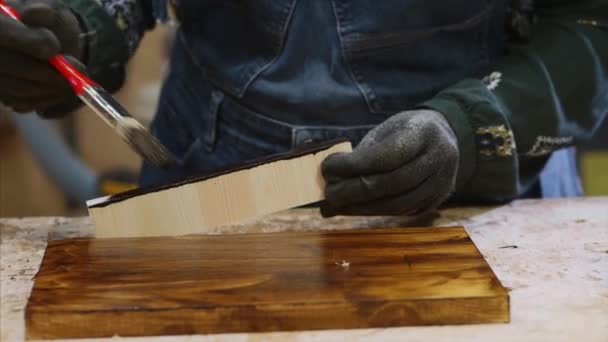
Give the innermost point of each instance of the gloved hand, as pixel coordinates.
(27, 81)
(406, 165)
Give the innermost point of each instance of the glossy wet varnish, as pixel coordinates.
(263, 282)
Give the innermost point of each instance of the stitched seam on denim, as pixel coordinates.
(217, 82)
(232, 135)
(251, 115)
(201, 68)
(334, 128)
(339, 13)
(238, 115)
(195, 132)
(359, 42)
(179, 128)
(287, 23)
(306, 135)
(248, 76)
(210, 133)
(195, 146)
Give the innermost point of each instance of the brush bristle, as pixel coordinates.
(144, 143)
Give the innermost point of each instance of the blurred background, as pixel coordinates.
(98, 159)
(100, 162)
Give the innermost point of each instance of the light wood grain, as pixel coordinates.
(263, 282)
(196, 207)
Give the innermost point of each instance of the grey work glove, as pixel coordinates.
(27, 81)
(406, 165)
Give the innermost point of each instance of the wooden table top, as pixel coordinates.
(551, 254)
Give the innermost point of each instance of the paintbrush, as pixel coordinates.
(102, 103)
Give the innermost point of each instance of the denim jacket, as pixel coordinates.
(313, 69)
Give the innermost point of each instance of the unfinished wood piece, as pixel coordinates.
(194, 206)
(263, 282)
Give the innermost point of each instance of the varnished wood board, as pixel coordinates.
(263, 282)
(229, 196)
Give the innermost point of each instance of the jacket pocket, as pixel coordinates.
(233, 41)
(186, 120)
(402, 52)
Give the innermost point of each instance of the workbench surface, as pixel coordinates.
(551, 254)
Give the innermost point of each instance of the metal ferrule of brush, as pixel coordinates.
(130, 130)
(104, 105)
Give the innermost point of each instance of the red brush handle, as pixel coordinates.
(77, 80)
(6, 9)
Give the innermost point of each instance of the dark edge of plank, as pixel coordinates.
(299, 151)
(293, 233)
(258, 306)
(28, 306)
(265, 319)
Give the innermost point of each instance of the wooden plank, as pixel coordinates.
(194, 206)
(263, 282)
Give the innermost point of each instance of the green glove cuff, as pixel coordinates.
(457, 119)
(105, 46)
(488, 169)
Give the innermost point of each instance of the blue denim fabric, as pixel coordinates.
(560, 178)
(250, 78)
(207, 130)
(340, 61)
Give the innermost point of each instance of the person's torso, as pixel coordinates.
(250, 78)
(339, 62)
